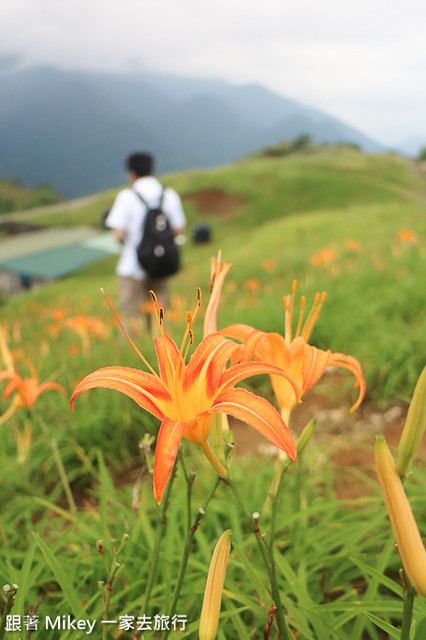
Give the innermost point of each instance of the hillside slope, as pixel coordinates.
(333, 218)
(73, 129)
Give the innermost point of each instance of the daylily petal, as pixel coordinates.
(315, 362)
(5, 352)
(251, 344)
(237, 331)
(144, 388)
(239, 372)
(172, 356)
(168, 442)
(4, 375)
(50, 386)
(268, 347)
(258, 413)
(351, 364)
(219, 274)
(250, 338)
(11, 386)
(208, 362)
(27, 390)
(197, 431)
(275, 349)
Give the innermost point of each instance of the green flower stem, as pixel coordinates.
(63, 476)
(407, 612)
(185, 555)
(274, 581)
(111, 573)
(189, 477)
(104, 616)
(159, 531)
(213, 459)
(275, 499)
(111, 578)
(267, 555)
(9, 595)
(61, 469)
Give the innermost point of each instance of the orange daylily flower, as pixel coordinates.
(252, 284)
(185, 396)
(351, 244)
(269, 265)
(323, 257)
(85, 325)
(58, 314)
(73, 349)
(304, 362)
(406, 236)
(26, 390)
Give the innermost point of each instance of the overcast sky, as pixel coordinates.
(363, 61)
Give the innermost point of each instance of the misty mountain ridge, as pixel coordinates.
(73, 129)
(411, 146)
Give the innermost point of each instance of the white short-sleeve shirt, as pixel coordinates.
(128, 213)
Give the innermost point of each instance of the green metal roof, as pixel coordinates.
(24, 244)
(54, 253)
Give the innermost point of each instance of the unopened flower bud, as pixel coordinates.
(217, 435)
(414, 428)
(407, 536)
(210, 611)
(306, 435)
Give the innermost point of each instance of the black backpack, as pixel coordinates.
(157, 252)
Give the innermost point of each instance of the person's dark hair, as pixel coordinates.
(142, 164)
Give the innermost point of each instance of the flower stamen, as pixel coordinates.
(302, 311)
(128, 337)
(313, 315)
(159, 315)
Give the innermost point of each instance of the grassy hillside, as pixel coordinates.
(256, 189)
(74, 485)
(332, 218)
(14, 197)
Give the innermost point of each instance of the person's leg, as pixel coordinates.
(160, 286)
(131, 297)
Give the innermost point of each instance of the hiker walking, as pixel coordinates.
(145, 218)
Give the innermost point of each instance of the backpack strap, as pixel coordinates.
(145, 202)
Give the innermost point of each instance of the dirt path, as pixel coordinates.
(347, 439)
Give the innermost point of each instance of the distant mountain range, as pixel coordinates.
(411, 146)
(72, 129)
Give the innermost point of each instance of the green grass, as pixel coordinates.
(331, 568)
(295, 207)
(336, 570)
(14, 197)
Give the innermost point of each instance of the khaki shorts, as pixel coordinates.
(134, 298)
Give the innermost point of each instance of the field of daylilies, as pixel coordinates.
(135, 513)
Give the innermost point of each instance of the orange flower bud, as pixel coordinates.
(210, 611)
(407, 536)
(414, 426)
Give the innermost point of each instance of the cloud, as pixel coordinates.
(9, 61)
(350, 58)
